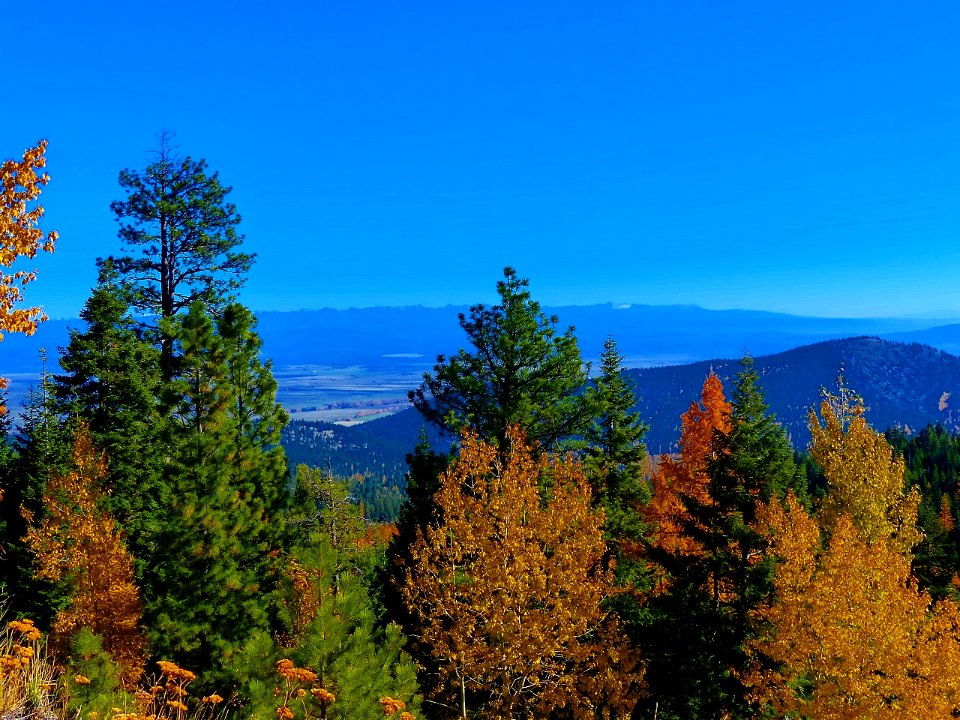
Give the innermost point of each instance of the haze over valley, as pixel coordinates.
(348, 366)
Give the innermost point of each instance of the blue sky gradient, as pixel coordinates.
(789, 157)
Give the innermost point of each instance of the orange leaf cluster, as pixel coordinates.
(20, 185)
(684, 478)
(20, 236)
(79, 542)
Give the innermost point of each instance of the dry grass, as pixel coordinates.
(28, 678)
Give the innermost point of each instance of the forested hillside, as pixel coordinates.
(371, 458)
(905, 385)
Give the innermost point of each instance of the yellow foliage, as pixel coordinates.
(865, 479)
(850, 635)
(508, 589)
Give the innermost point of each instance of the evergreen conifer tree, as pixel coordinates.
(177, 216)
(328, 620)
(41, 447)
(614, 461)
(615, 454)
(111, 381)
(520, 372)
(416, 513)
(211, 588)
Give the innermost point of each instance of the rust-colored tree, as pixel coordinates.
(20, 237)
(680, 479)
(78, 542)
(507, 590)
(946, 514)
(850, 634)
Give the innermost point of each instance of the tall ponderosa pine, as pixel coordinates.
(520, 371)
(210, 589)
(178, 218)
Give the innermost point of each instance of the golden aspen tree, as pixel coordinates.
(850, 635)
(79, 543)
(507, 589)
(865, 478)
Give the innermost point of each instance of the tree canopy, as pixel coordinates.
(520, 371)
(508, 591)
(177, 218)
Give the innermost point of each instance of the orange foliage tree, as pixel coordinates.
(507, 589)
(78, 542)
(850, 634)
(20, 236)
(685, 476)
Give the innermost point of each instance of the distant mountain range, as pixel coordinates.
(394, 345)
(903, 384)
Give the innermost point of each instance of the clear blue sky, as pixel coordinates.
(799, 157)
